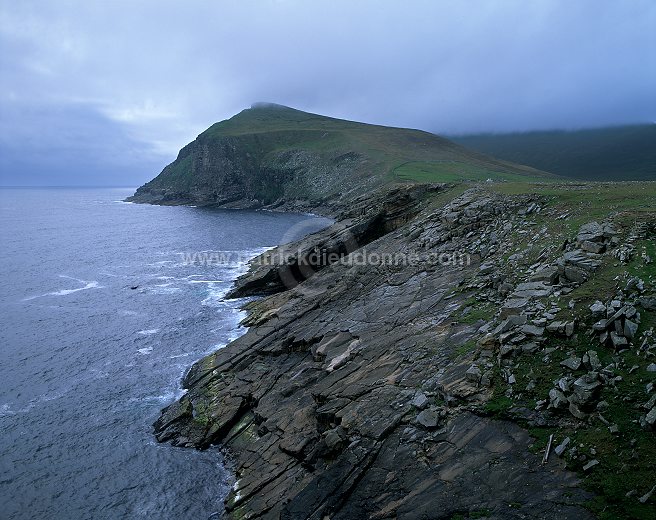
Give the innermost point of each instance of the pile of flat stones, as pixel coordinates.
(619, 324)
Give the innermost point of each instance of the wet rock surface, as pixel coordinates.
(356, 393)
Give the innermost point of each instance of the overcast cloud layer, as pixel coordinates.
(106, 93)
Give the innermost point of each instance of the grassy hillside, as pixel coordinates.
(614, 153)
(397, 153)
(275, 155)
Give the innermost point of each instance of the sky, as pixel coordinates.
(106, 93)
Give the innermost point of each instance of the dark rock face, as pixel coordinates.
(245, 171)
(349, 396)
(365, 220)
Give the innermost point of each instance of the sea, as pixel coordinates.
(104, 305)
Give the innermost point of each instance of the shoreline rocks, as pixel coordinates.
(360, 382)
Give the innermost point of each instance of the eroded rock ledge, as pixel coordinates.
(349, 397)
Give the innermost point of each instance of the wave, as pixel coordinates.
(148, 332)
(5, 410)
(63, 292)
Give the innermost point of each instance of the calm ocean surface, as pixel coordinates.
(87, 362)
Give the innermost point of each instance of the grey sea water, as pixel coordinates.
(87, 361)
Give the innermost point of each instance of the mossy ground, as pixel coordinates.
(626, 460)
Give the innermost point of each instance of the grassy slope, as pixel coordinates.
(626, 459)
(614, 153)
(397, 154)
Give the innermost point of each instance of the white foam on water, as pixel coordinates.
(148, 332)
(216, 294)
(5, 410)
(145, 351)
(63, 292)
(165, 290)
(166, 397)
(206, 281)
(176, 356)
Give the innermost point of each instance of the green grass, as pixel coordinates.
(450, 171)
(615, 153)
(351, 155)
(626, 460)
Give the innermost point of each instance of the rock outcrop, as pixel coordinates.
(358, 393)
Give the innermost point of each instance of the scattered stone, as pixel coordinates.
(557, 399)
(630, 328)
(547, 275)
(633, 284)
(590, 465)
(513, 306)
(565, 383)
(643, 499)
(597, 309)
(651, 403)
(532, 330)
(506, 350)
(569, 328)
(591, 360)
(647, 303)
(420, 401)
(572, 363)
(561, 327)
(428, 419)
(473, 374)
(619, 342)
(560, 449)
(575, 274)
(486, 268)
(585, 391)
(650, 419)
(600, 325)
(592, 232)
(509, 323)
(529, 347)
(592, 247)
(532, 290)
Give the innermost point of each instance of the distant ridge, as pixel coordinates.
(619, 153)
(271, 154)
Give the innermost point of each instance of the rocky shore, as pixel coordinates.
(390, 389)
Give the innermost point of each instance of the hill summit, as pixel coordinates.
(273, 155)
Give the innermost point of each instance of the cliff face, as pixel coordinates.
(399, 356)
(280, 157)
(246, 171)
(371, 388)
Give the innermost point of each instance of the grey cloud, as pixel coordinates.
(157, 72)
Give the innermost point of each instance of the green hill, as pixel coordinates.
(271, 154)
(614, 153)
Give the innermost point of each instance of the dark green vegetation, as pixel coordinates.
(626, 457)
(614, 153)
(272, 154)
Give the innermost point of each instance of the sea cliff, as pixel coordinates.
(446, 349)
(428, 386)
